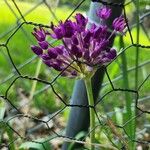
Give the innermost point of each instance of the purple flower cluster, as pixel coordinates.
(81, 49)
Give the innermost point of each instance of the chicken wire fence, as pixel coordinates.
(32, 125)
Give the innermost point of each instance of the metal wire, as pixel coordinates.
(16, 75)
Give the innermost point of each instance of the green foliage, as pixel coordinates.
(79, 136)
(37, 145)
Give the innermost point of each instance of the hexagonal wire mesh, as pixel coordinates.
(20, 124)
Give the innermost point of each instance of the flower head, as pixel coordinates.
(104, 12)
(80, 50)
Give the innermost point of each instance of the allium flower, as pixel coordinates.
(104, 12)
(119, 24)
(81, 49)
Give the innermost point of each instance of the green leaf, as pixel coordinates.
(35, 146)
(79, 136)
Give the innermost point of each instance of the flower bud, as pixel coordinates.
(104, 12)
(119, 24)
(76, 51)
(44, 45)
(67, 29)
(57, 33)
(45, 57)
(39, 34)
(112, 54)
(52, 53)
(37, 50)
(81, 22)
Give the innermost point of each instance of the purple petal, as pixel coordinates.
(75, 40)
(37, 50)
(67, 28)
(76, 51)
(87, 37)
(103, 44)
(47, 62)
(57, 33)
(87, 55)
(97, 32)
(59, 50)
(52, 53)
(112, 54)
(96, 53)
(57, 65)
(45, 57)
(39, 34)
(93, 27)
(44, 45)
(81, 21)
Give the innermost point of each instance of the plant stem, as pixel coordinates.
(35, 82)
(92, 114)
(11, 138)
(137, 42)
(131, 127)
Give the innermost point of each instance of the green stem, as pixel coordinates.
(92, 114)
(137, 42)
(130, 128)
(11, 138)
(35, 82)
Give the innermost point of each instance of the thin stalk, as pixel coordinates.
(130, 129)
(35, 82)
(137, 42)
(137, 4)
(92, 114)
(11, 138)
